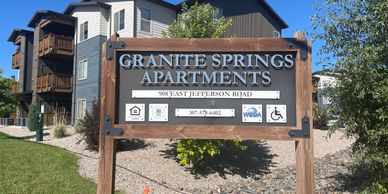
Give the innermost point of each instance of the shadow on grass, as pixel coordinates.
(256, 160)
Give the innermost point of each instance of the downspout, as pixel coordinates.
(134, 19)
(74, 72)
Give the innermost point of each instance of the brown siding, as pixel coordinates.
(250, 25)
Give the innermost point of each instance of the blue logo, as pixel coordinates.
(252, 113)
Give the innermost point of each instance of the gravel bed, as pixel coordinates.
(334, 174)
(152, 163)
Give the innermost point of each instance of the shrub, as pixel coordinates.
(320, 117)
(355, 34)
(59, 131)
(198, 21)
(79, 127)
(194, 151)
(32, 117)
(91, 124)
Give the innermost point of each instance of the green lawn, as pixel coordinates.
(29, 167)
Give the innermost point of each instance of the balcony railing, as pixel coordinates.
(16, 60)
(53, 45)
(15, 88)
(60, 83)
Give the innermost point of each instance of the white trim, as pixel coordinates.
(82, 32)
(85, 73)
(80, 100)
(150, 32)
(276, 34)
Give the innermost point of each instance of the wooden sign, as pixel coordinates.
(235, 88)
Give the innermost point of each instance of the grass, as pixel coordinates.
(29, 167)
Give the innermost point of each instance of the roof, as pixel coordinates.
(40, 13)
(159, 2)
(263, 3)
(17, 32)
(72, 6)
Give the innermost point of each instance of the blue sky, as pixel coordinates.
(19, 12)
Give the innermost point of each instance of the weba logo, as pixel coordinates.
(252, 113)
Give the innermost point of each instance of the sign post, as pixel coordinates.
(245, 88)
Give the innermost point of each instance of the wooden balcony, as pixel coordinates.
(15, 88)
(50, 83)
(16, 60)
(56, 46)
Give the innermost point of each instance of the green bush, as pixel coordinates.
(79, 127)
(59, 131)
(320, 117)
(32, 117)
(355, 35)
(194, 151)
(198, 21)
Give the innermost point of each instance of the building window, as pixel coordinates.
(83, 31)
(217, 13)
(145, 23)
(276, 34)
(81, 108)
(82, 69)
(119, 20)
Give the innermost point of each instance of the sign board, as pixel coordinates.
(236, 88)
(211, 81)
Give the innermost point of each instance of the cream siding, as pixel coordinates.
(104, 21)
(129, 13)
(161, 18)
(90, 14)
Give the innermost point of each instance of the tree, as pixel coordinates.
(7, 104)
(198, 21)
(355, 33)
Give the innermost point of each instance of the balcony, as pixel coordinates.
(51, 83)
(56, 46)
(15, 88)
(16, 60)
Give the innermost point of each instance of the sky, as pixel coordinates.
(19, 12)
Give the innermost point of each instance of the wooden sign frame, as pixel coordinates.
(301, 133)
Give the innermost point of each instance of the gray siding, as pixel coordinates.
(89, 88)
(248, 17)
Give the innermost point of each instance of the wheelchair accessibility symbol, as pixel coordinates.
(276, 114)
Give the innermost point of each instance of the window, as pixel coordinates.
(218, 13)
(83, 31)
(82, 69)
(81, 108)
(119, 20)
(276, 34)
(145, 23)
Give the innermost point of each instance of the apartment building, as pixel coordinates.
(88, 24)
(22, 89)
(96, 21)
(322, 81)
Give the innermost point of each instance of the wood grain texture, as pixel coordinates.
(205, 132)
(107, 145)
(304, 148)
(208, 44)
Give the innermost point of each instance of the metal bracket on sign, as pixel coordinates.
(305, 132)
(302, 46)
(109, 131)
(111, 46)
